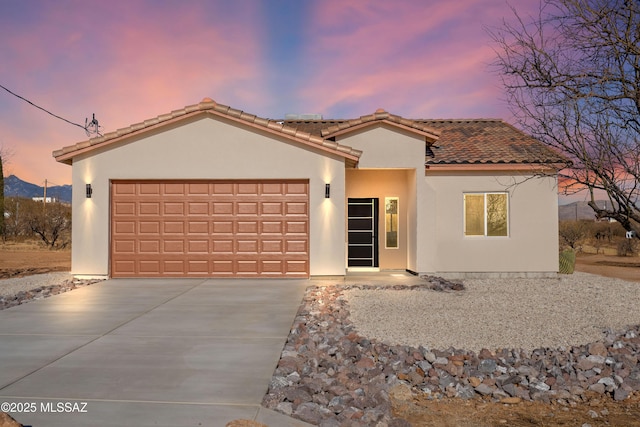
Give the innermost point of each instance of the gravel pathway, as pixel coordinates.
(498, 313)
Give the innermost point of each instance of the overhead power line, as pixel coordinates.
(89, 127)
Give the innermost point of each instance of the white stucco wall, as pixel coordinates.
(207, 148)
(532, 244)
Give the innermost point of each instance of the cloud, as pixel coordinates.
(125, 62)
(129, 61)
(425, 59)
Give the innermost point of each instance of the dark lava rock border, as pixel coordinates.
(329, 375)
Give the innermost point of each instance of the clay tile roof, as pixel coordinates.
(479, 141)
(379, 116)
(209, 106)
(448, 142)
(486, 141)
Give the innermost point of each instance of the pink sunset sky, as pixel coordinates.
(129, 61)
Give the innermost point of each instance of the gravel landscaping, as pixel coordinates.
(498, 313)
(353, 349)
(18, 290)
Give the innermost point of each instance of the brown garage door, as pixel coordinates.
(210, 228)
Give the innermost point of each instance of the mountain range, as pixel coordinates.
(579, 210)
(15, 187)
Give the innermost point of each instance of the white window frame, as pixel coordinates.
(386, 200)
(464, 215)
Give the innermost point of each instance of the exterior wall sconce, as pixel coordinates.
(327, 191)
(89, 191)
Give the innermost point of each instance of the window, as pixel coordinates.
(391, 222)
(485, 214)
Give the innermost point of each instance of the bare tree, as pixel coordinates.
(572, 233)
(572, 79)
(52, 225)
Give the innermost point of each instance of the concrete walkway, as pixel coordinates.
(148, 352)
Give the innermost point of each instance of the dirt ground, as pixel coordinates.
(22, 259)
(479, 413)
(627, 268)
(30, 258)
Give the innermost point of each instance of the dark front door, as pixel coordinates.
(362, 219)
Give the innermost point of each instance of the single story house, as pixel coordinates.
(211, 191)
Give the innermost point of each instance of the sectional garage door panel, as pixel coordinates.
(210, 228)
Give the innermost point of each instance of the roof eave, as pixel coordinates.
(66, 154)
(551, 167)
(430, 136)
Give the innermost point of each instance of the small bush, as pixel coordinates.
(628, 247)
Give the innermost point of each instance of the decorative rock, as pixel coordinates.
(475, 381)
(620, 394)
(597, 349)
(446, 380)
(309, 412)
(598, 388)
(465, 392)
(285, 407)
(441, 361)
(607, 381)
(511, 389)
(330, 376)
(484, 389)
(540, 386)
(487, 366)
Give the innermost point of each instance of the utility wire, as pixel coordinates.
(86, 128)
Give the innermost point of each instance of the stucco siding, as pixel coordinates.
(386, 147)
(532, 242)
(207, 149)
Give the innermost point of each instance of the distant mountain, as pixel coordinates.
(15, 187)
(579, 210)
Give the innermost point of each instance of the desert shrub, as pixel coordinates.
(572, 233)
(601, 231)
(617, 229)
(26, 219)
(628, 247)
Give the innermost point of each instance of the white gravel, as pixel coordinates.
(13, 286)
(498, 313)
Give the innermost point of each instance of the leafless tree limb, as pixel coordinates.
(572, 79)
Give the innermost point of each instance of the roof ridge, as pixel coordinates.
(380, 115)
(208, 105)
(487, 119)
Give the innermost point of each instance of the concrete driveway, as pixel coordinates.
(147, 352)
